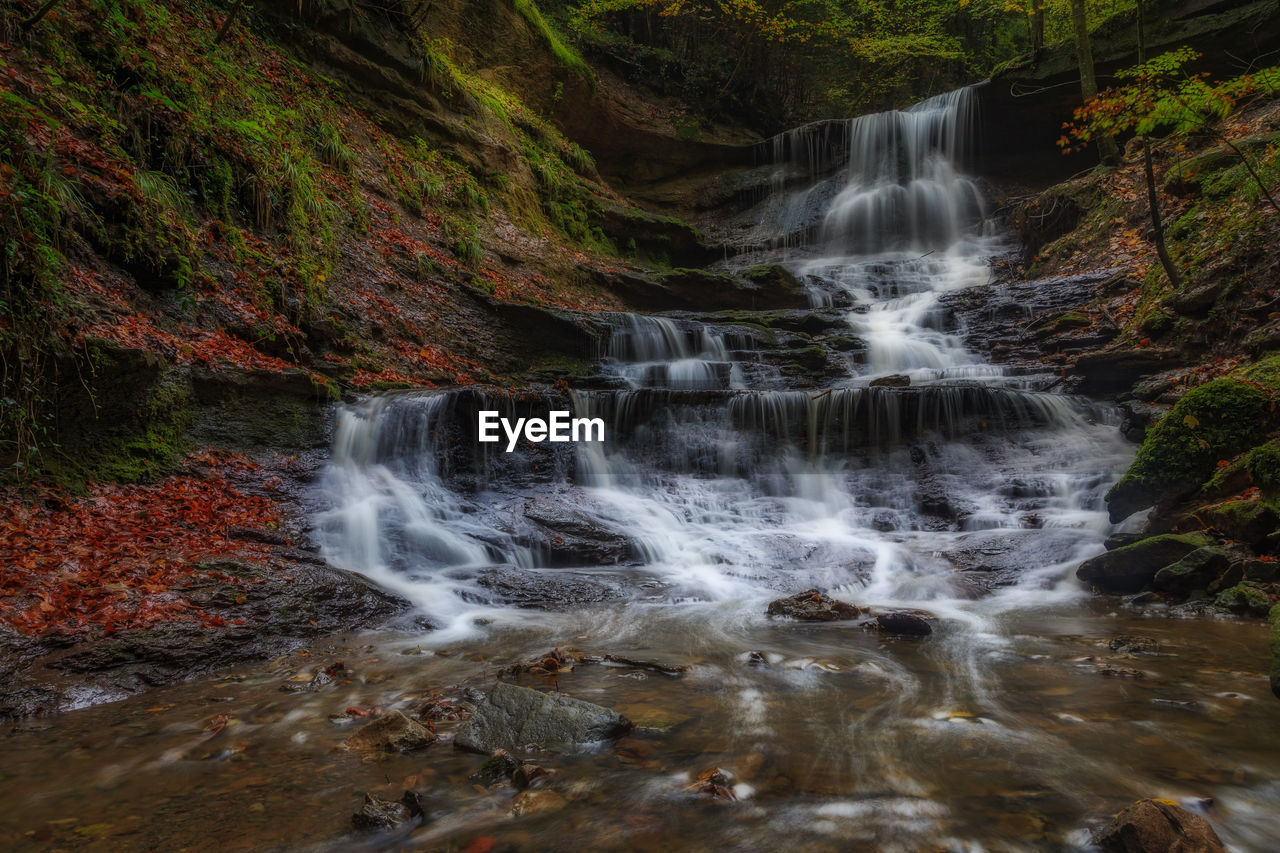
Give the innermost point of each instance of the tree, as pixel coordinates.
(1037, 29)
(1159, 95)
(1088, 80)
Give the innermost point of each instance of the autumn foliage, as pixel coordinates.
(116, 558)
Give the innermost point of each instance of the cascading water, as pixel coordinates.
(964, 493)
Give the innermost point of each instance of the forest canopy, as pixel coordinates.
(781, 63)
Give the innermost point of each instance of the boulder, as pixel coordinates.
(1131, 567)
(1245, 598)
(514, 718)
(1247, 521)
(380, 814)
(904, 624)
(1194, 571)
(537, 801)
(897, 380)
(812, 606)
(1217, 420)
(392, 732)
(1158, 826)
(570, 537)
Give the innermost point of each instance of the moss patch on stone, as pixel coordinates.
(1216, 421)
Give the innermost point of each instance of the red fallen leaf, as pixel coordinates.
(483, 844)
(357, 712)
(217, 724)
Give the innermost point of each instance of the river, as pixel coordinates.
(922, 478)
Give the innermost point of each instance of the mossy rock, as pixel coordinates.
(1245, 598)
(1275, 650)
(1194, 571)
(1247, 521)
(1216, 421)
(1132, 567)
(1263, 465)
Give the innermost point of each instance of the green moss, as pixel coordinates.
(1263, 465)
(1244, 597)
(1216, 421)
(567, 56)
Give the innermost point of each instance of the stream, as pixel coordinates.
(923, 479)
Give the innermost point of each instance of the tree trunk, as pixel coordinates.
(1088, 82)
(226, 25)
(1157, 225)
(1153, 197)
(1037, 29)
(39, 15)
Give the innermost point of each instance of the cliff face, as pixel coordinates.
(210, 239)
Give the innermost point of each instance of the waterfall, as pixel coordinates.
(725, 489)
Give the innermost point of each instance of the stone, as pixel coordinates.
(1158, 826)
(903, 623)
(1131, 567)
(897, 380)
(392, 732)
(1245, 598)
(1133, 644)
(515, 718)
(380, 814)
(536, 802)
(1194, 571)
(569, 537)
(812, 606)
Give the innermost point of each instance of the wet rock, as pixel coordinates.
(553, 662)
(1117, 368)
(496, 768)
(716, 783)
(379, 814)
(1131, 645)
(812, 606)
(759, 288)
(895, 381)
(527, 774)
(1194, 571)
(570, 537)
(1120, 540)
(392, 732)
(515, 718)
(534, 802)
(1245, 598)
(1158, 826)
(672, 669)
(544, 589)
(1131, 567)
(1247, 521)
(904, 624)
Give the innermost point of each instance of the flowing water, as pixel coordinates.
(967, 494)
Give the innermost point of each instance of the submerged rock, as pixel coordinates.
(1158, 826)
(380, 814)
(904, 624)
(514, 718)
(392, 732)
(534, 802)
(812, 606)
(898, 380)
(1131, 567)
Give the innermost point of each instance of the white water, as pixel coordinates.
(966, 494)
